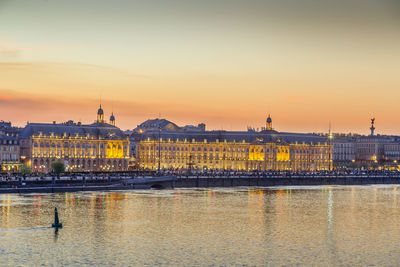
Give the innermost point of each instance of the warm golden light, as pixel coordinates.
(226, 64)
(232, 155)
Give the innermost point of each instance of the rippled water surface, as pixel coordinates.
(320, 226)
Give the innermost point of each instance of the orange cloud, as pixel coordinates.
(5, 97)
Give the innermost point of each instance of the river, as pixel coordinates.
(286, 226)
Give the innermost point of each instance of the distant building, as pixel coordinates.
(95, 147)
(9, 147)
(344, 149)
(376, 148)
(366, 149)
(371, 148)
(162, 144)
(392, 151)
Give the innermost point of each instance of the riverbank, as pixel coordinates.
(73, 185)
(283, 181)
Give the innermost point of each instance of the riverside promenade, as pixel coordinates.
(112, 183)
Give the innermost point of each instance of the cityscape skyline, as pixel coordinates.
(225, 63)
(199, 132)
(259, 126)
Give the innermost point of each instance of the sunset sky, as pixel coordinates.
(226, 63)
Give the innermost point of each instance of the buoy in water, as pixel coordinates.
(56, 223)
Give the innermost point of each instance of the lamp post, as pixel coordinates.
(159, 146)
(330, 137)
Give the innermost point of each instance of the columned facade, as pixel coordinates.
(94, 147)
(78, 153)
(186, 154)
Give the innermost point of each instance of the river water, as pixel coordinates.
(318, 226)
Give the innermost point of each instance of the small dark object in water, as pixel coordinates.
(56, 223)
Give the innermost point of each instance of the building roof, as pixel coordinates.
(230, 136)
(156, 124)
(166, 125)
(70, 128)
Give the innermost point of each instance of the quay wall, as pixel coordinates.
(281, 181)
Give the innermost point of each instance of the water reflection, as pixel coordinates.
(323, 226)
(55, 234)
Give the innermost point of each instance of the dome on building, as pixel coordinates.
(269, 120)
(112, 118)
(100, 111)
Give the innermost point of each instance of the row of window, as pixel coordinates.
(10, 148)
(9, 142)
(151, 156)
(66, 144)
(313, 151)
(9, 157)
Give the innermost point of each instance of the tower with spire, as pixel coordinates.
(100, 115)
(269, 123)
(112, 119)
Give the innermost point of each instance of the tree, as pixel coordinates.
(58, 167)
(25, 170)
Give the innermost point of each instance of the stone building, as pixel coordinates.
(94, 147)
(9, 147)
(375, 148)
(163, 144)
(392, 151)
(343, 149)
(371, 148)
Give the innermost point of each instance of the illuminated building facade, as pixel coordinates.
(9, 147)
(166, 147)
(95, 147)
